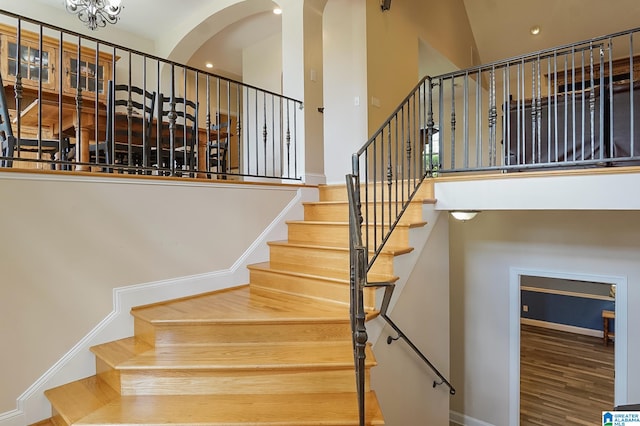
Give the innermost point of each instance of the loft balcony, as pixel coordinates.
(75, 103)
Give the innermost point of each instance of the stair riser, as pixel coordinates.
(301, 258)
(57, 419)
(186, 382)
(340, 212)
(339, 192)
(309, 286)
(108, 374)
(337, 235)
(199, 334)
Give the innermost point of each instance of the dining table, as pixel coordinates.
(60, 114)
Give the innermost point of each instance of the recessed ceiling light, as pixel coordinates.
(208, 65)
(535, 30)
(277, 11)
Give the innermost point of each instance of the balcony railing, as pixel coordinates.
(573, 106)
(78, 103)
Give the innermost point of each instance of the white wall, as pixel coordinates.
(483, 251)
(68, 243)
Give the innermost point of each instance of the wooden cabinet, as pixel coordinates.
(620, 70)
(35, 61)
(39, 63)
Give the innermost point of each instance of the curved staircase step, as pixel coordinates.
(229, 368)
(296, 409)
(241, 315)
(337, 211)
(324, 284)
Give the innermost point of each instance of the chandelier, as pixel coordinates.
(95, 13)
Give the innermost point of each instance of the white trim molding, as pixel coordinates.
(562, 327)
(620, 362)
(78, 362)
(461, 419)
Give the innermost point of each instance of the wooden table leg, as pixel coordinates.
(605, 328)
(83, 134)
(202, 157)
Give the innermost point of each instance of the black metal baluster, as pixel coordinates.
(18, 88)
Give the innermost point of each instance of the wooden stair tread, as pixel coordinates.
(243, 305)
(119, 351)
(235, 410)
(393, 251)
(346, 224)
(307, 355)
(77, 399)
(345, 202)
(91, 402)
(327, 274)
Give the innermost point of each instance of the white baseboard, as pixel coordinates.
(315, 179)
(13, 418)
(562, 327)
(461, 419)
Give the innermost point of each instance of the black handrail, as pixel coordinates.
(262, 137)
(358, 282)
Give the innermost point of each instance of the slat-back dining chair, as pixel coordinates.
(218, 147)
(11, 145)
(128, 136)
(185, 133)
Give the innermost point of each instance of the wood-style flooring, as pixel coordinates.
(565, 378)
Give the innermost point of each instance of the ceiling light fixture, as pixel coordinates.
(208, 65)
(464, 215)
(95, 13)
(535, 30)
(277, 11)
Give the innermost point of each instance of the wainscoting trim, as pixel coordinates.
(77, 363)
(461, 419)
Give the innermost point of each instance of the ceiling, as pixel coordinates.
(500, 27)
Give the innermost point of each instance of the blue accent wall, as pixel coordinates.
(576, 311)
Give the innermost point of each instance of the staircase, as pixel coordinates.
(277, 351)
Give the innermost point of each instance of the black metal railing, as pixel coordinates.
(86, 94)
(573, 106)
(359, 266)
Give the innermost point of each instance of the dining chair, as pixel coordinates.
(218, 147)
(11, 145)
(182, 150)
(129, 126)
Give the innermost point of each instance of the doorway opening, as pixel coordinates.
(531, 289)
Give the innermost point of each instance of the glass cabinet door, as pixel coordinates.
(86, 74)
(35, 65)
(91, 76)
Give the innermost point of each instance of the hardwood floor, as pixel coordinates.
(565, 378)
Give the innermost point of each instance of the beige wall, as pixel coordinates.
(393, 47)
(482, 251)
(67, 243)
